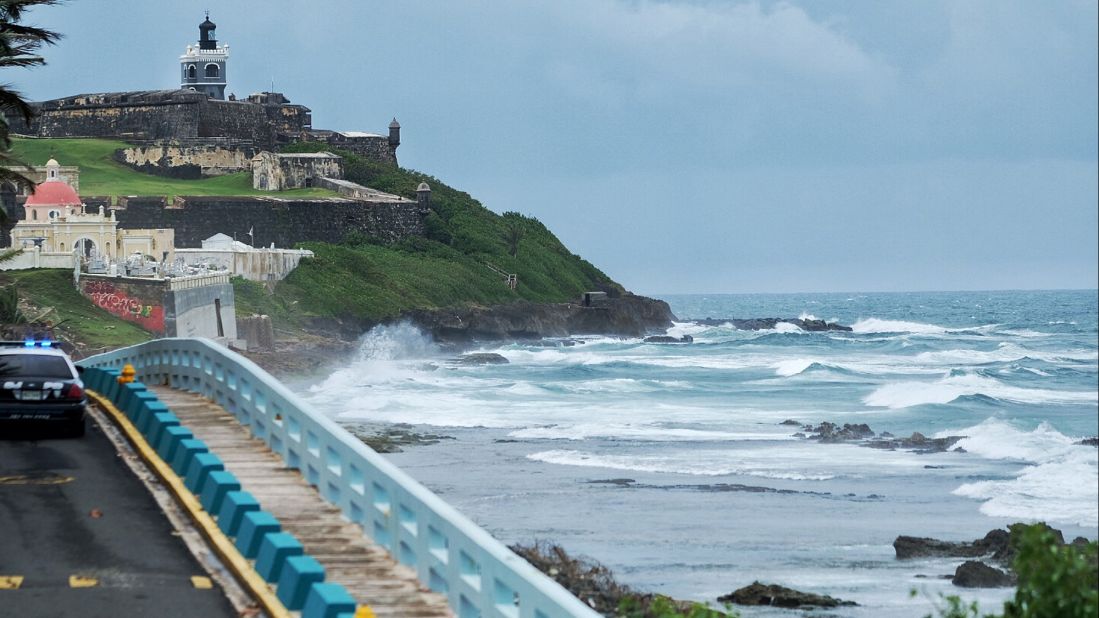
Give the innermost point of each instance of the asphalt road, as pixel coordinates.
(87, 538)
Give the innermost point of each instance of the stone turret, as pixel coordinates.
(394, 134)
(423, 195)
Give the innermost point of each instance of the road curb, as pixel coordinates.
(221, 544)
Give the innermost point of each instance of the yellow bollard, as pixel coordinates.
(127, 374)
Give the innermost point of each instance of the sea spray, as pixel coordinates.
(400, 341)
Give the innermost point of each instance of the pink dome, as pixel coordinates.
(53, 193)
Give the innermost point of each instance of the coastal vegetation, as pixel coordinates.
(361, 281)
(45, 300)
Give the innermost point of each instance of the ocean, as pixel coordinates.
(670, 464)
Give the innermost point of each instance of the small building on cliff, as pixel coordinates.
(273, 171)
(265, 264)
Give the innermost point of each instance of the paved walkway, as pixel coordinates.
(348, 556)
(80, 535)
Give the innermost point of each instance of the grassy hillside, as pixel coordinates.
(100, 174)
(358, 280)
(365, 282)
(48, 296)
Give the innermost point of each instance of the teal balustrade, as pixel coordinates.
(480, 576)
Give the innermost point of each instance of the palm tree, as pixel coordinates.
(18, 46)
(513, 235)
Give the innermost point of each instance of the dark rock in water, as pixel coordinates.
(623, 315)
(790, 421)
(995, 542)
(780, 596)
(923, 547)
(668, 339)
(976, 574)
(916, 442)
(1092, 441)
(830, 432)
(482, 358)
(390, 439)
(769, 323)
(618, 482)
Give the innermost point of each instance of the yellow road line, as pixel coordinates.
(201, 582)
(10, 582)
(29, 479)
(79, 581)
(234, 561)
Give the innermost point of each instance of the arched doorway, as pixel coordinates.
(86, 247)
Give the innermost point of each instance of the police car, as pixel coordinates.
(40, 386)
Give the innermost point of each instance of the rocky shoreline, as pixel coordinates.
(326, 343)
(628, 315)
(989, 560)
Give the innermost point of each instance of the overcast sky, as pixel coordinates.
(690, 146)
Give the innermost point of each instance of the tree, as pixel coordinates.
(19, 44)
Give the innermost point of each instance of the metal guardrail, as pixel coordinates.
(480, 576)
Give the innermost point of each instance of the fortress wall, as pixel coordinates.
(235, 120)
(279, 221)
(375, 148)
(150, 115)
(180, 161)
(140, 121)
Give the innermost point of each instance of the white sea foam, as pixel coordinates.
(640, 433)
(787, 327)
(621, 385)
(698, 466)
(877, 325)
(1005, 352)
(793, 366)
(679, 329)
(945, 390)
(789, 460)
(1060, 492)
(1025, 333)
(805, 315)
(1061, 482)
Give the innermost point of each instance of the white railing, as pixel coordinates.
(451, 555)
(197, 281)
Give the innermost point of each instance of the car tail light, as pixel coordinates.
(74, 392)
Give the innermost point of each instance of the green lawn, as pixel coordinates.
(100, 174)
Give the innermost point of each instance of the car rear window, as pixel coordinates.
(34, 365)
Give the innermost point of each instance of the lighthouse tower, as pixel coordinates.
(202, 67)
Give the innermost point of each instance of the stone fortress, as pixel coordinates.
(198, 131)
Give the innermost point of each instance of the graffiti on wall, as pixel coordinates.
(117, 301)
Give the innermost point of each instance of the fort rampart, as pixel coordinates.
(279, 221)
